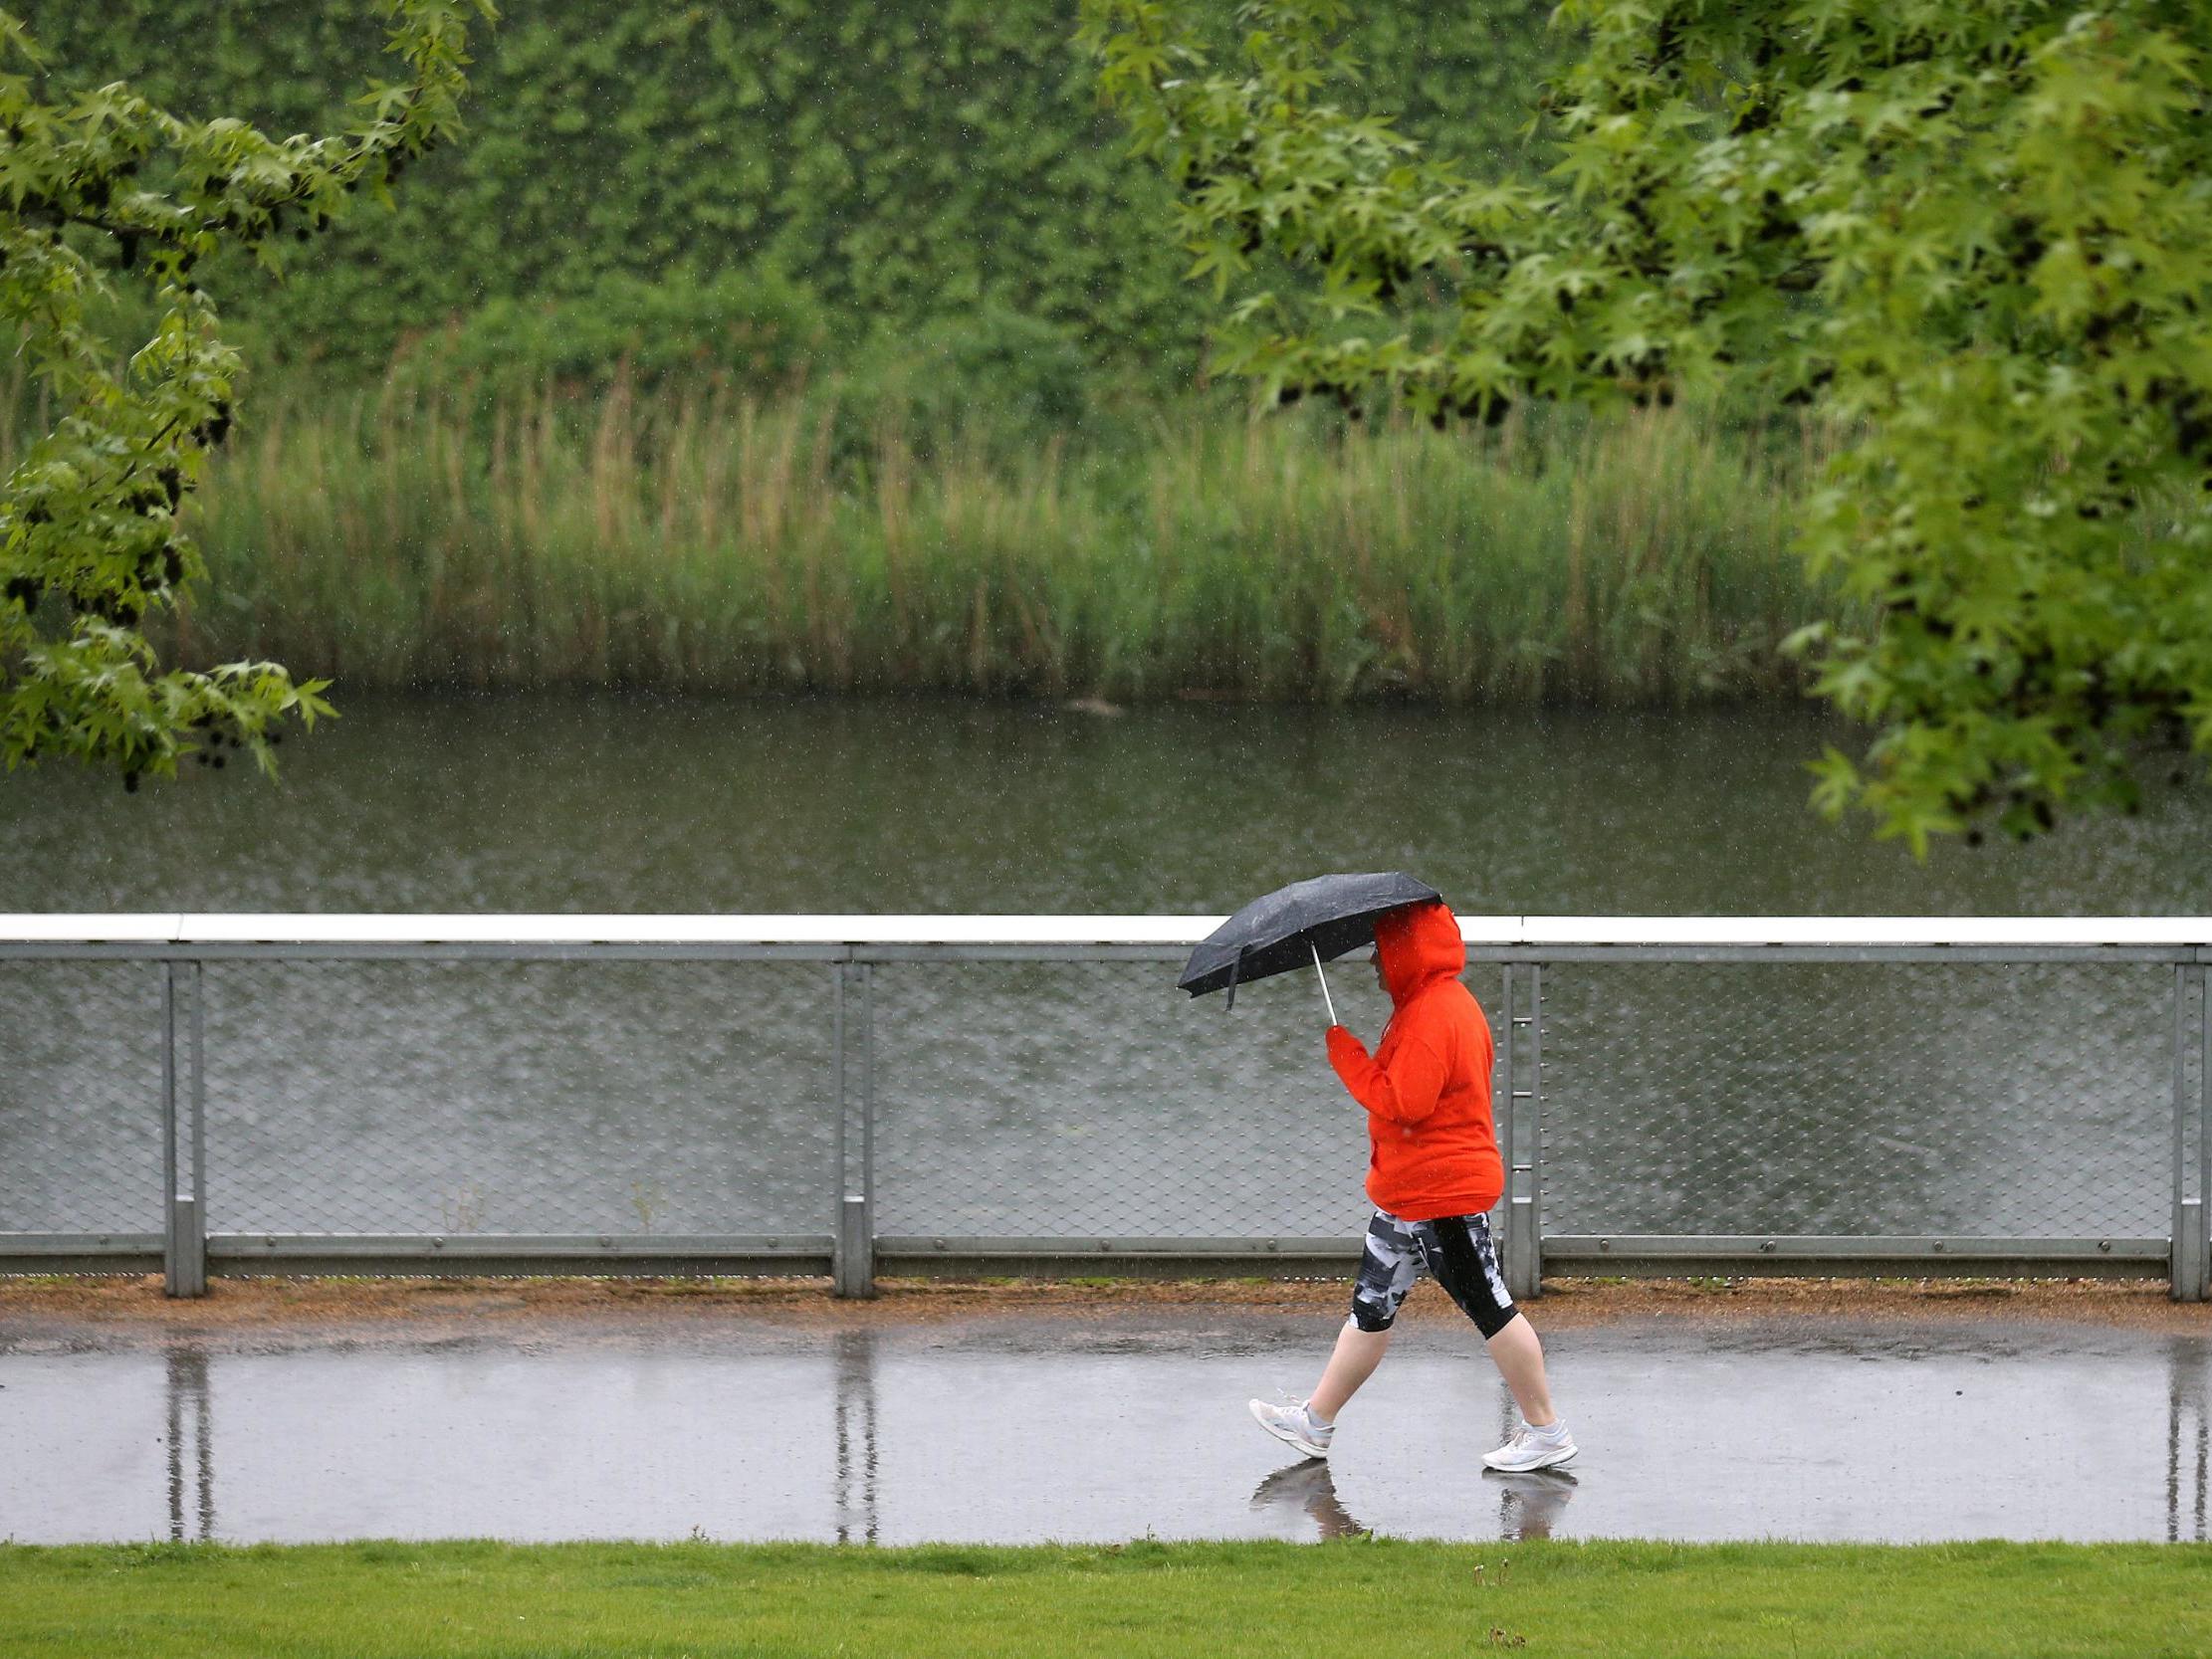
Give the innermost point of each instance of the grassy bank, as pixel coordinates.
(1269, 1600)
(717, 543)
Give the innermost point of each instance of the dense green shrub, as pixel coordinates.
(994, 365)
(905, 164)
(753, 331)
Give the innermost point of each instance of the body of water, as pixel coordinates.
(638, 804)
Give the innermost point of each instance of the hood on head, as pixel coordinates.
(1418, 944)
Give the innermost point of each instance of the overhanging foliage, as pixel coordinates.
(105, 181)
(1978, 235)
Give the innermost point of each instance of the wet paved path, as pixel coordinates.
(1028, 1426)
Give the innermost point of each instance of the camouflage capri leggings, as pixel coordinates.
(1455, 1248)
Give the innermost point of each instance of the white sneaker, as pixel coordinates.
(1533, 1448)
(1292, 1425)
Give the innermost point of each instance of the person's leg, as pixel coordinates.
(1357, 1354)
(1520, 1360)
(1388, 1264)
(1387, 1270)
(1465, 1264)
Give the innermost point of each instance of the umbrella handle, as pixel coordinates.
(1326, 998)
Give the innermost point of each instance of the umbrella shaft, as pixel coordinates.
(1327, 1000)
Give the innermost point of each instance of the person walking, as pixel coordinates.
(1432, 1171)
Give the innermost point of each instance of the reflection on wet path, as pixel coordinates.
(1030, 1428)
(2188, 1444)
(191, 1474)
(1529, 1504)
(1308, 1487)
(856, 1437)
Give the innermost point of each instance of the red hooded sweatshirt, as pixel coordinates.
(1428, 1087)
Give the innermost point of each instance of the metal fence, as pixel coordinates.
(881, 1096)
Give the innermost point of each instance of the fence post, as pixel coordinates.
(854, 1249)
(184, 1220)
(1534, 1141)
(2185, 1272)
(1501, 1100)
(1524, 1270)
(864, 1214)
(2204, 1132)
(2192, 1238)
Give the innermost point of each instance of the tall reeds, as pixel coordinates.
(710, 543)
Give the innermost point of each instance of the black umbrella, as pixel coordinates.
(1307, 922)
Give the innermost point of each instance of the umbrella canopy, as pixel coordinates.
(1289, 927)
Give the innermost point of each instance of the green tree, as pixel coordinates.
(1977, 234)
(90, 538)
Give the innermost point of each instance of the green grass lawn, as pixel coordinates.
(1352, 1599)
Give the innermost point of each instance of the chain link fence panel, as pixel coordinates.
(1093, 1100)
(477, 1097)
(2003, 1100)
(81, 1097)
